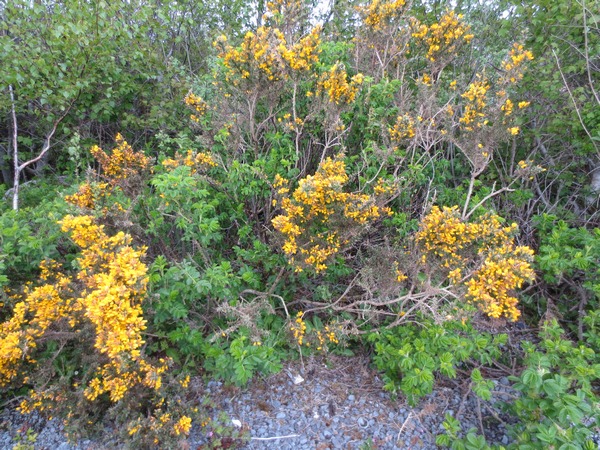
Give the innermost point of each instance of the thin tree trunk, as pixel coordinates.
(18, 168)
(17, 171)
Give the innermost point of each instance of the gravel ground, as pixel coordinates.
(338, 405)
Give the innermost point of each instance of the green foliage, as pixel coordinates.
(182, 213)
(26, 441)
(240, 359)
(569, 259)
(471, 441)
(411, 355)
(557, 406)
(29, 236)
(568, 253)
(93, 63)
(177, 290)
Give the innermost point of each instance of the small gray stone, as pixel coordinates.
(280, 415)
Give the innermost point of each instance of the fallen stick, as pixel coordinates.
(274, 437)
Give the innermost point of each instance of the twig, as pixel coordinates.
(486, 198)
(495, 414)
(566, 83)
(479, 417)
(464, 399)
(273, 438)
(587, 54)
(404, 425)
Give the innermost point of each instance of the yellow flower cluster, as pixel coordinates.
(503, 271)
(327, 336)
(335, 84)
(31, 318)
(111, 285)
(122, 374)
(304, 54)
(198, 104)
(123, 162)
(198, 162)
(120, 169)
(514, 65)
(400, 276)
(507, 107)
(476, 103)
(299, 331)
(161, 422)
(183, 426)
(89, 195)
(446, 239)
(317, 211)
(443, 37)
(443, 234)
(378, 14)
(298, 328)
(115, 279)
(404, 128)
(268, 53)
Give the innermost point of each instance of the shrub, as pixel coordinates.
(556, 407)
(412, 355)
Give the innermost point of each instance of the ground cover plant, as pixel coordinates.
(384, 177)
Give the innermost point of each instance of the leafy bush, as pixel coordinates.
(29, 236)
(557, 405)
(412, 355)
(238, 360)
(569, 259)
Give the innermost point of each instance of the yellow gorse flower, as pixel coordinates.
(197, 104)
(378, 14)
(449, 241)
(183, 426)
(197, 161)
(267, 54)
(404, 128)
(475, 95)
(335, 85)
(114, 284)
(443, 37)
(122, 163)
(319, 200)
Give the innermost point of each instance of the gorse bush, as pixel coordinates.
(350, 183)
(76, 339)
